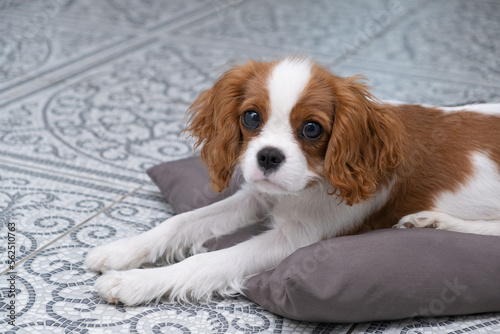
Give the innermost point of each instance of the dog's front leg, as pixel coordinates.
(201, 276)
(181, 235)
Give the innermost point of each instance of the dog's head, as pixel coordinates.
(290, 123)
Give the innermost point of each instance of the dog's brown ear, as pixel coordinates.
(365, 142)
(214, 123)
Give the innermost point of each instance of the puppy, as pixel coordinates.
(321, 158)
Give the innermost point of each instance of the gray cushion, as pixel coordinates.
(379, 275)
(185, 185)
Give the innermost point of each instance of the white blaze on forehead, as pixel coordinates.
(286, 83)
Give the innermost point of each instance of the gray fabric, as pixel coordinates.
(185, 184)
(384, 275)
(380, 275)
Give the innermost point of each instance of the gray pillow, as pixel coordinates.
(380, 275)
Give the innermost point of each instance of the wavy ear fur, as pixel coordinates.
(214, 123)
(366, 141)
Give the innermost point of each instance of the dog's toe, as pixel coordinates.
(423, 219)
(127, 287)
(119, 255)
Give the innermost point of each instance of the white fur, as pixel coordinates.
(286, 83)
(482, 193)
(182, 235)
(299, 216)
(297, 221)
(448, 222)
(474, 208)
(484, 108)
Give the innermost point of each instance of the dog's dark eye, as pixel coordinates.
(251, 119)
(312, 130)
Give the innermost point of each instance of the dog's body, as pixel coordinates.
(321, 158)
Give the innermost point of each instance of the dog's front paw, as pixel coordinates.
(119, 255)
(131, 287)
(426, 219)
(197, 278)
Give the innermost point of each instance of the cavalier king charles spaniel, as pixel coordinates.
(321, 157)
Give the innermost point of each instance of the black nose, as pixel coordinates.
(269, 159)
